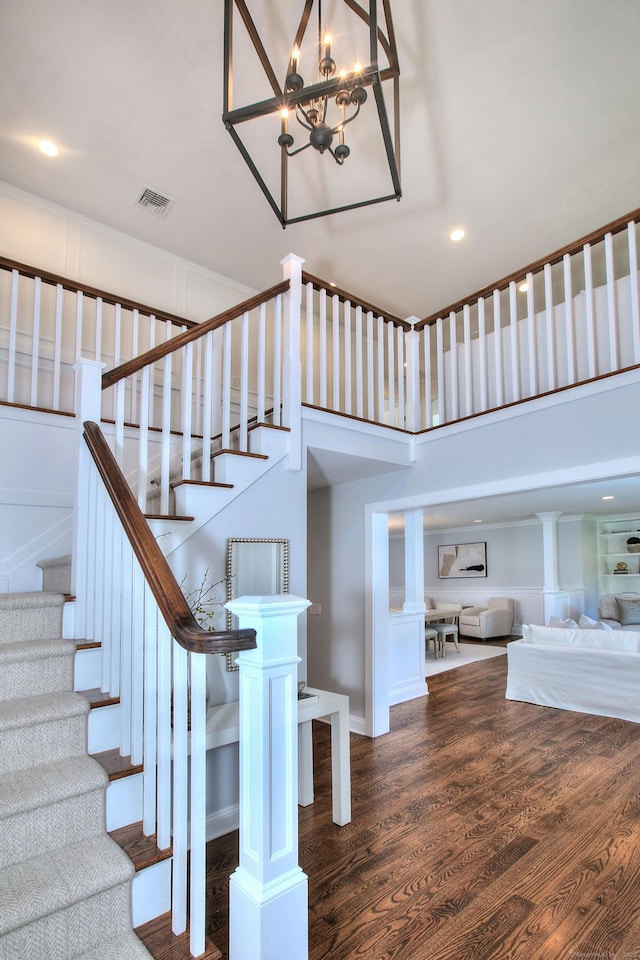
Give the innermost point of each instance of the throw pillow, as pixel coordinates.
(586, 623)
(567, 624)
(608, 609)
(629, 610)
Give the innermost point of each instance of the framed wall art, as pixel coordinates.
(462, 560)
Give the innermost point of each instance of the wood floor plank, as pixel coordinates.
(482, 828)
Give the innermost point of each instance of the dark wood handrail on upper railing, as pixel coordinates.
(93, 292)
(616, 226)
(354, 300)
(164, 586)
(188, 336)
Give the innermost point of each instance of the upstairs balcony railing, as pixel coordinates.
(567, 319)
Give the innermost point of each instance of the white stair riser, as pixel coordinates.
(87, 669)
(29, 746)
(69, 932)
(151, 892)
(240, 471)
(36, 677)
(104, 728)
(272, 443)
(124, 801)
(52, 827)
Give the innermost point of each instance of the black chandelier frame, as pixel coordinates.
(370, 76)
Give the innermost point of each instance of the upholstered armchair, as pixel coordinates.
(494, 620)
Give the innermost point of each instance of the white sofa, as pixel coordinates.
(590, 671)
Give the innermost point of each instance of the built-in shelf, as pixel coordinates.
(618, 567)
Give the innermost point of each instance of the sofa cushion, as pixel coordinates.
(629, 610)
(608, 609)
(589, 639)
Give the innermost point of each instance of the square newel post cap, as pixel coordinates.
(291, 258)
(274, 620)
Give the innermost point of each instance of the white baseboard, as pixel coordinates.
(223, 821)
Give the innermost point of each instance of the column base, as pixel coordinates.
(268, 921)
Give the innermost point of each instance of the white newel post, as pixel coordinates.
(268, 895)
(413, 419)
(88, 399)
(292, 372)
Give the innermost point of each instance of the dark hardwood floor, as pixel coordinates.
(483, 829)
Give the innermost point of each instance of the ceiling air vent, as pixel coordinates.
(155, 202)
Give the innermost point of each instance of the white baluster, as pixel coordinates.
(568, 320)
(277, 365)
(371, 414)
(13, 327)
(589, 312)
(443, 413)
(198, 804)
(35, 341)
(137, 665)
(126, 645)
(226, 387)
(335, 350)
(401, 419)
(497, 338)
(207, 402)
(531, 335)
(243, 439)
(186, 408)
(323, 348)
(468, 372)
(380, 370)
(428, 402)
(612, 312)
(180, 790)
(347, 357)
(79, 309)
(262, 363)
(453, 355)
(391, 354)
(633, 281)
(57, 347)
(143, 438)
(482, 355)
(551, 328)
(359, 363)
(149, 782)
(310, 342)
(515, 341)
(165, 658)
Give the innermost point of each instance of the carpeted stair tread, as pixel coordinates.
(125, 947)
(18, 650)
(49, 783)
(30, 668)
(59, 879)
(30, 616)
(49, 807)
(30, 711)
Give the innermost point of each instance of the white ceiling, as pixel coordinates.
(519, 122)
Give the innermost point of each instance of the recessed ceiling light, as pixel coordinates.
(48, 147)
(457, 234)
(477, 521)
(609, 497)
(523, 287)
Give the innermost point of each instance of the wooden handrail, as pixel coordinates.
(355, 301)
(187, 336)
(93, 292)
(164, 586)
(595, 237)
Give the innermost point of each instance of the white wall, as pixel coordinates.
(45, 235)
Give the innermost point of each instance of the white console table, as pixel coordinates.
(223, 727)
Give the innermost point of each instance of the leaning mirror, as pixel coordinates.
(255, 568)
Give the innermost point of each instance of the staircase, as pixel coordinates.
(65, 885)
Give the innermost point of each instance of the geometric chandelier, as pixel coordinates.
(325, 135)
